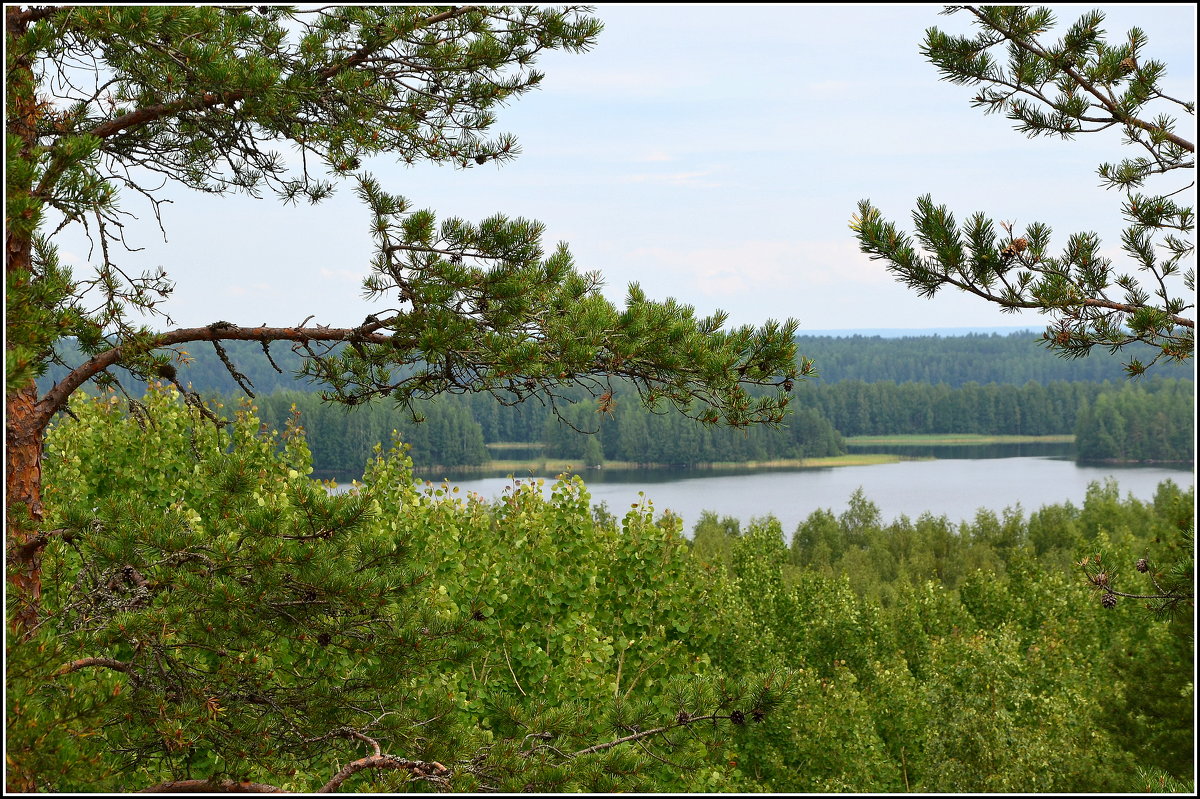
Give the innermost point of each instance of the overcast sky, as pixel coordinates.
(712, 153)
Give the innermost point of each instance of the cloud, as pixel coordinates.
(653, 157)
(690, 179)
(755, 267)
(341, 275)
(627, 84)
(831, 88)
(251, 289)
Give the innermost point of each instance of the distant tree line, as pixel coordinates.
(342, 438)
(1139, 422)
(856, 408)
(631, 433)
(454, 430)
(1013, 359)
(953, 360)
(1147, 420)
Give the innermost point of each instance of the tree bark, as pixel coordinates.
(23, 432)
(23, 506)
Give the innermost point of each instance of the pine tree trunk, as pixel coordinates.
(24, 425)
(23, 511)
(23, 433)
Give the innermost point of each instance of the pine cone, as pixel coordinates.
(1142, 565)
(737, 717)
(758, 714)
(1109, 600)
(1013, 250)
(683, 717)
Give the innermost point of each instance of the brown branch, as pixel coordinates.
(1090, 302)
(56, 398)
(152, 113)
(347, 732)
(374, 744)
(83, 663)
(424, 770)
(134, 118)
(637, 736)
(1165, 595)
(212, 786)
(23, 16)
(28, 549)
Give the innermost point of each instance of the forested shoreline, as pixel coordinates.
(869, 386)
(456, 431)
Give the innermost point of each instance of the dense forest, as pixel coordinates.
(856, 408)
(1012, 359)
(1139, 422)
(455, 430)
(912, 655)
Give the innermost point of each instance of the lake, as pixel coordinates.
(952, 486)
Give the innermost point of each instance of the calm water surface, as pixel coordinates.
(954, 487)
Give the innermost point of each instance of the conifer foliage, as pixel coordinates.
(1081, 83)
(105, 103)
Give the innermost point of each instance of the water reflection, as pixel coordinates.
(971, 451)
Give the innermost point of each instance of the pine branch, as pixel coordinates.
(153, 113)
(365, 52)
(1085, 84)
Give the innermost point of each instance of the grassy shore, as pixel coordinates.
(954, 439)
(545, 466)
(558, 465)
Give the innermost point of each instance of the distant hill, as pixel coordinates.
(910, 332)
(1012, 358)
